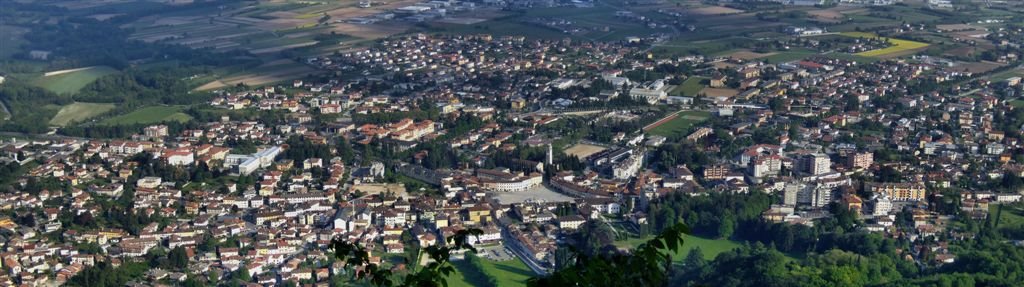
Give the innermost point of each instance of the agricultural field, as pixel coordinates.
(271, 72)
(1002, 76)
(691, 87)
(72, 80)
(79, 112)
(899, 46)
(680, 124)
(149, 115)
(598, 23)
(700, 47)
(788, 56)
(513, 273)
(271, 31)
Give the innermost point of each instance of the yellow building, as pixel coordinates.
(478, 214)
(899, 191)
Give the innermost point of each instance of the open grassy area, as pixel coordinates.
(149, 115)
(690, 87)
(1018, 103)
(680, 124)
(710, 247)
(512, 273)
(1002, 76)
(898, 45)
(78, 112)
(69, 83)
(788, 56)
(1012, 216)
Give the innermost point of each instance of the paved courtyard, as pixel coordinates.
(538, 193)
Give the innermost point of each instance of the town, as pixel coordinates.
(889, 153)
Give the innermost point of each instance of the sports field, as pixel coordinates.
(680, 124)
(583, 150)
(78, 112)
(898, 45)
(71, 82)
(149, 115)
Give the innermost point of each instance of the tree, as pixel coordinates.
(243, 274)
(433, 274)
(564, 257)
(647, 265)
(726, 225)
(695, 259)
(178, 258)
(594, 236)
(889, 174)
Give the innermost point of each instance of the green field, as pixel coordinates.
(509, 273)
(78, 112)
(710, 247)
(69, 83)
(149, 115)
(690, 87)
(1018, 103)
(788, 56)
(597, 23)
(1002, 76)
(680, 124)
(1012, 216)
(898, 45)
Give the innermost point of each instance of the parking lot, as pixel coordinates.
(495, 252)
(537, 193)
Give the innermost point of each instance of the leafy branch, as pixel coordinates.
(647, 265)
(431, 275)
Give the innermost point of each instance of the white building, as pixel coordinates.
(246, 164)
(628, 167)
(882, 206)
(815, 196)
(652, 93)
(818, 164)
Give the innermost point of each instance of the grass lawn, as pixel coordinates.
(680, 124)
(1011, 216)
(78, 112)
(1017, 103)
(69, 83)
(149, 115)
(512, 273)
(898, 45)
(690, 87)
(710, 247)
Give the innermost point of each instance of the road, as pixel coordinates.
(39, 136)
